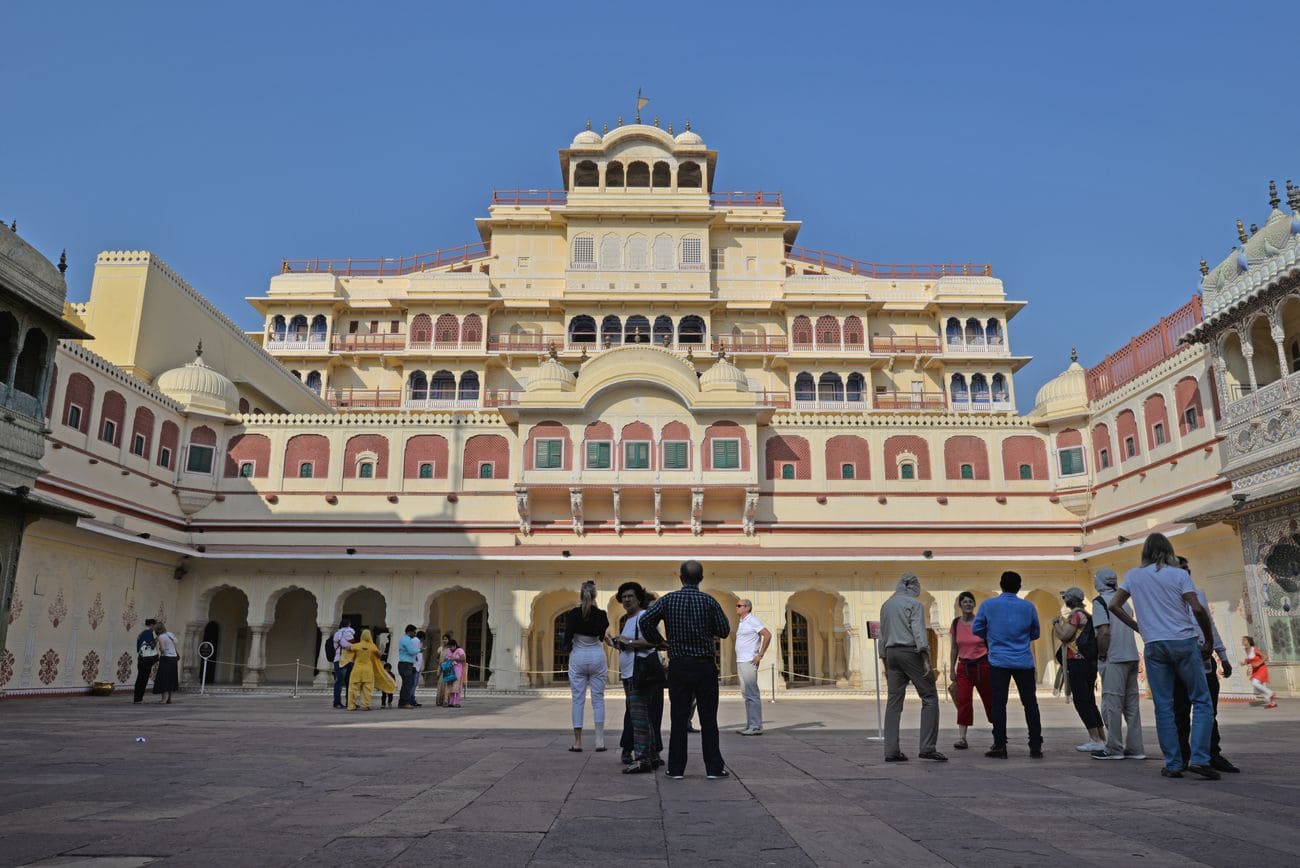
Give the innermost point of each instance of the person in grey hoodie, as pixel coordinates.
(1117, 656)
(905, 648)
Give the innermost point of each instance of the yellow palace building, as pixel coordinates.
(620, 374)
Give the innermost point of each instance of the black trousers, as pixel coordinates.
(1000, 680)
(654, 702)
(1083, 689)
(143, 666)
(1183, 717)
(693, 679)
(408, 674)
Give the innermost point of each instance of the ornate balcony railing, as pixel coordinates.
(523, 343)
(418, 399)
(738, 344)
(355, 343)
(1143, 352)
(444, 345)
(905, 345)
(381, 267)
(857, 405)
(884, 270)
(529, 197)
(980, 405)
(829, 346)
(910, 401)
(745, 199)
(978, 345)
(297, 345)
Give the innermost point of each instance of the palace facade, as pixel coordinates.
(632, 370)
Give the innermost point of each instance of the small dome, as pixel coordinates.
(688, 137)
(586, 138)
(1225, 272)
(198, 387)
(723, 376)
(552, 376)
(1064, 395)
(1270, 239)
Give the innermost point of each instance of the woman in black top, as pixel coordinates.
(585, 627)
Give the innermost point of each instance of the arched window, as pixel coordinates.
(611, 253)
(967, 471)
(801, 333)
(306, 470)
(582, 330)
(953, 331)
(907, 470)
(8, 338)
(663, 253)
(993, 332)
(426, 470)
(830, 387)
(471, 329)
(663, 330)
(611, 330)
(690, 330)
(485, 470)
(958, 390)
(847, 471)
(278, 327)
(298, 328)
(469, 386)
(418, 386)
(614, 175)
(1026, 471)
(442, 386)
(421, 330)
(638, 252)
(979, 389)
(804, 388)
(974, 332)
(366, 470)
(31, 363)
(319, 326)
(663, 176)
(638, 174)
(637, 330)
(689, 175)
(855, 388)
(446, 331)
(1000, 390)
(586, 174)
(314, 381)
(828, 331)
(787, 471)
(853, 332)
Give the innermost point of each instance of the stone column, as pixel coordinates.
(324, 676)
(1279, 340)
(190, 652)
(1248, 351)
(255, 666)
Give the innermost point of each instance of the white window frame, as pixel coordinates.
(139, 438)
(108, 430)
(1158, 433)
(1130, 448)
(649, 446)
(1103, 458)
(252, 469)
(713, 453)
(212, 458)
(311, 470)
(79, 411)
(663, 454)
(1083, 464)
(717, 259)
(910, 465)
(165, 457)
(419, 470)
(537, 452)
(586, 454)
(364, 465)
(492, 469)
(852, 468)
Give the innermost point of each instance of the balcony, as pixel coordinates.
(903, 345)
(840, 405)
(827, 346)
(910, 401)
(382, 267)
(778, 400)
(981, 405)
(745, 344)
(745, 199)
(368, 343)
(574, 346)
(406, 399)
(297, 345)
(1144, 352)
(523, 343)
(885, 271)
(444, 346)
(977, 345)
(544, 198)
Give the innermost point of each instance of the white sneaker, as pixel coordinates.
(1136, 756)
(751, 732)
(1090, 746)
(745, 731)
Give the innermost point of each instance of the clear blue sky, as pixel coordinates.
(1092, 152)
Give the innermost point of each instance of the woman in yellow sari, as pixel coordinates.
(367, 672)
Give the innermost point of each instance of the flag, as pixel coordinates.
(641, 101)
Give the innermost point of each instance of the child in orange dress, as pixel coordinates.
(1258, 664)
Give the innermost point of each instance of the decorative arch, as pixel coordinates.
(725, 430)
(907, 444)
(113, 410)
(1021, 450)
(425, 449)
(142, 426)
(79, 392)
(637, 330)
(853, 333)
(446, 331)
(169, 438)
(442, 386)
(965, 449)
(691, 330)
(828, 331)
(611, 330)
(313, 449)
(586, 174)
(633, 431)
(471, 329)
(1130, 446)
(638, 252)
(689, 175)
(293, 636)
(368, 602)
(544, 431)
(855, 388)
(638, 174)
(781, 450)
(663, 330)
(1154, 415)
(1187, 399)
(1102, 452)
(850, 450)
(661, 177)
(611, 252)
(29, 375)
(357, 445)
(468, 389)
(805, 387)
(582, 330)
(613, 174)
(486, 454)
(248, 447)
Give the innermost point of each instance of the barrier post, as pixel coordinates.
(296, 663)
(206, 655)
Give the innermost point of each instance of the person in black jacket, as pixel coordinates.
(146, 658)
(585, 628)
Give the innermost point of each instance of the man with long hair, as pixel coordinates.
(1171, 621)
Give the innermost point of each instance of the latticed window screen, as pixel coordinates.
(690, 251)
(584, 249)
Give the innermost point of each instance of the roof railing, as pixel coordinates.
(382, 267)
(1143, 352)
(887, 270)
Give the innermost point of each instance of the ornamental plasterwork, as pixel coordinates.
(1289, 469)
(751, 510)
(575, 506)
(58, 609)
(659, 511)
(697, 511)
(521, 504)
(618, 511)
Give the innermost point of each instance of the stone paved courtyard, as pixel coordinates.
(269, 780)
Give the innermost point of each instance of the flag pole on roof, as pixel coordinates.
(641, 102)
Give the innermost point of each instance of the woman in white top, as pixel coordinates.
(630, 646)
(168, 678)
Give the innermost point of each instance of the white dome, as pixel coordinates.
(198, 387)
(688, 137)
(552, 376)
(1064, 395)
(586, 138)
(723, 376)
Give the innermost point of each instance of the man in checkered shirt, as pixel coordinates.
(694, 620)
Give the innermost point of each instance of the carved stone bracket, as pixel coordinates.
(618, 515)
(659, 510)
(697, 511)
(521, 504)
(751, 510)
(575, 506)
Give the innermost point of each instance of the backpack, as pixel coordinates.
(1085, 643)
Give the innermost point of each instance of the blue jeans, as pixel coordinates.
(407, 672)
(341, 676)
(1168, 662)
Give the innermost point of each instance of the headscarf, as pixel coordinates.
(909, 585)
(367, 637)
(1105, 580)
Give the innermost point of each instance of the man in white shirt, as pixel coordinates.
(752, 639)
(342, 639)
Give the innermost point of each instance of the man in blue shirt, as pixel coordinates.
(146, 657)
(408, 651)
(1008, 625)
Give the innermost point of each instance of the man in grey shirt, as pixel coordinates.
(905, 648)
(1117, 654)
